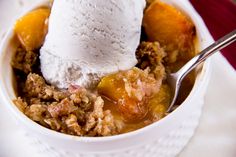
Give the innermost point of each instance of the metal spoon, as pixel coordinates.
(175, 79)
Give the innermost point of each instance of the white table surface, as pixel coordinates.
(214, 137)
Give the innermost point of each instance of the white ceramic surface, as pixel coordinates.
(165, 143)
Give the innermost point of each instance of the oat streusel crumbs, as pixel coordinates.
(100, 122)
(20, 104)
(73, 126)
(151, 55)
(76, 111)
(82, 97)
(24, 60)
(53, 123)
(139, 84)
(65, 107)
(36, 112)
(36, 86)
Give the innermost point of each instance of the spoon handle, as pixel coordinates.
(215, 47)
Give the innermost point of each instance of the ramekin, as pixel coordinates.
(165, 138)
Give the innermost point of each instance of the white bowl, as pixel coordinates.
(165, 138)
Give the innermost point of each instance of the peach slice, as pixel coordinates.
(130, 91)
(32, 28)
(171, 28)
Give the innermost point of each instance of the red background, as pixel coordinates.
(220, 18)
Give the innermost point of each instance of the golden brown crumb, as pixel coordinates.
(100, 123)
(36, 112)
(72, 124)
(151, 55)
(139, 84)
(20, 104)
(36, 86)
(65, 107)
(24, 60)
(81, 97)
(53, 123)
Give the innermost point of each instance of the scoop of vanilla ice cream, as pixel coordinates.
(88, 39)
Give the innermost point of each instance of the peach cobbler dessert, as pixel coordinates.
(121, 102)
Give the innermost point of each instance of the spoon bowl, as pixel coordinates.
(175, 79)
